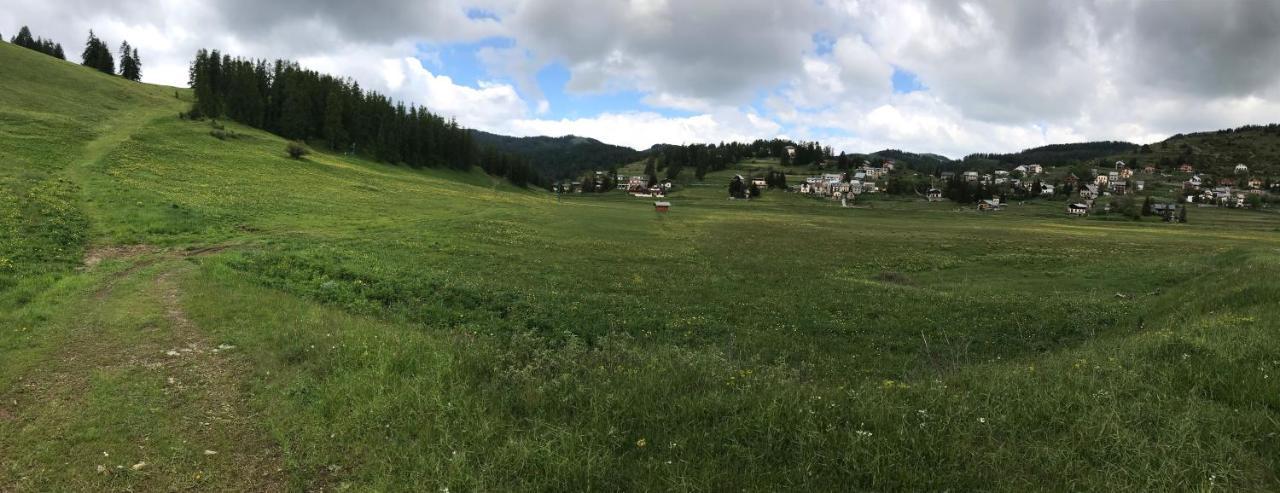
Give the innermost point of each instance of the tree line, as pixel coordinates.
(42, 45)
(299, 104)
(96, 54)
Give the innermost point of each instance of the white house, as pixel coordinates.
(1089, 192)
(971, 176)
(1242, 169)
(1035, 169)
(935, 195)
(1077, 209)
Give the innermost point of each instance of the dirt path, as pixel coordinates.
(138, 398)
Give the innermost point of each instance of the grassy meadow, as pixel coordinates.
(180, 312)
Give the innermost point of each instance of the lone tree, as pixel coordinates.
(97, 55)
(1146, 206)
(1182, 214)
(737, 189)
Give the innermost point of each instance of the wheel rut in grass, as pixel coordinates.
(160, 400)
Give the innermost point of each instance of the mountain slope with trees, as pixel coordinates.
(561, 157)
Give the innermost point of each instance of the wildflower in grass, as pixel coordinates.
(982, 420)
(863, 433)
(641, 443)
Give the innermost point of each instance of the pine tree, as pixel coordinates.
(97, 56)
(129, 66)
(23, 38)
(334, 132)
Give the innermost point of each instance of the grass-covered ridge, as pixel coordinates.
(397, 329)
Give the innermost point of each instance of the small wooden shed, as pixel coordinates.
(661, 206)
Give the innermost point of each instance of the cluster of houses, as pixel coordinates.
(637, 186)
(1225, 192)
(838, 186)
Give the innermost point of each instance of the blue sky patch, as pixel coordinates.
(905, 81)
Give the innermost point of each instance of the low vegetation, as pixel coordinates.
(184, 312)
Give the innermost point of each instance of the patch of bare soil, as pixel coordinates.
(95, 256)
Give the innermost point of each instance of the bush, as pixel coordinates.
(295, 149)
(223, 134)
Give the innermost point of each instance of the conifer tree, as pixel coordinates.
(97, 56)
(129, 67)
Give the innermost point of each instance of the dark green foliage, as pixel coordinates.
(303, 104)
(96, 55)
(1146, 206)
(737, 189)
(1182, 214)
(558, 158)
(1126, 206)
(130, 64)
(1059, 154)
(510, 166)
(776, 179)
(46, 46)
(295, 149)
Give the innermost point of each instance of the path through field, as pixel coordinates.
(137, 397)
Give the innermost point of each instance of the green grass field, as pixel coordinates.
(182, 312)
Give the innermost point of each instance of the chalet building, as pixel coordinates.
(935, 195)
(947, 175)
(1077, 209)
(1242, 169)
(1150, 170)
(1255, 183)
(1120, 165)
(971, 176)
(1126, 173)
(1089, 192)
(1119, 187)
(1186, 168)
(661, 206)
(989, 205)
(1071, 179)
(1101, 180)
(1139, 185)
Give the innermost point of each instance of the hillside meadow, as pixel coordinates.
(179, 311)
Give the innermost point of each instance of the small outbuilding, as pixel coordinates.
(661, 206)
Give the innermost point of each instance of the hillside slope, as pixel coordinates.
(561, 157)
(182, 312)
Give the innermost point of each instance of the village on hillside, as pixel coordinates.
(1099, 188)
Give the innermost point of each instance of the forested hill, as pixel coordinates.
(1058, 154)
(1217, 152)
(561, 157)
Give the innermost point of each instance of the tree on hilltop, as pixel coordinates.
(96, 55)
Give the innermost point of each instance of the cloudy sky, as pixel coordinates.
(942, 76)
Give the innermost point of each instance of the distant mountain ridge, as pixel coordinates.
(561, 157)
